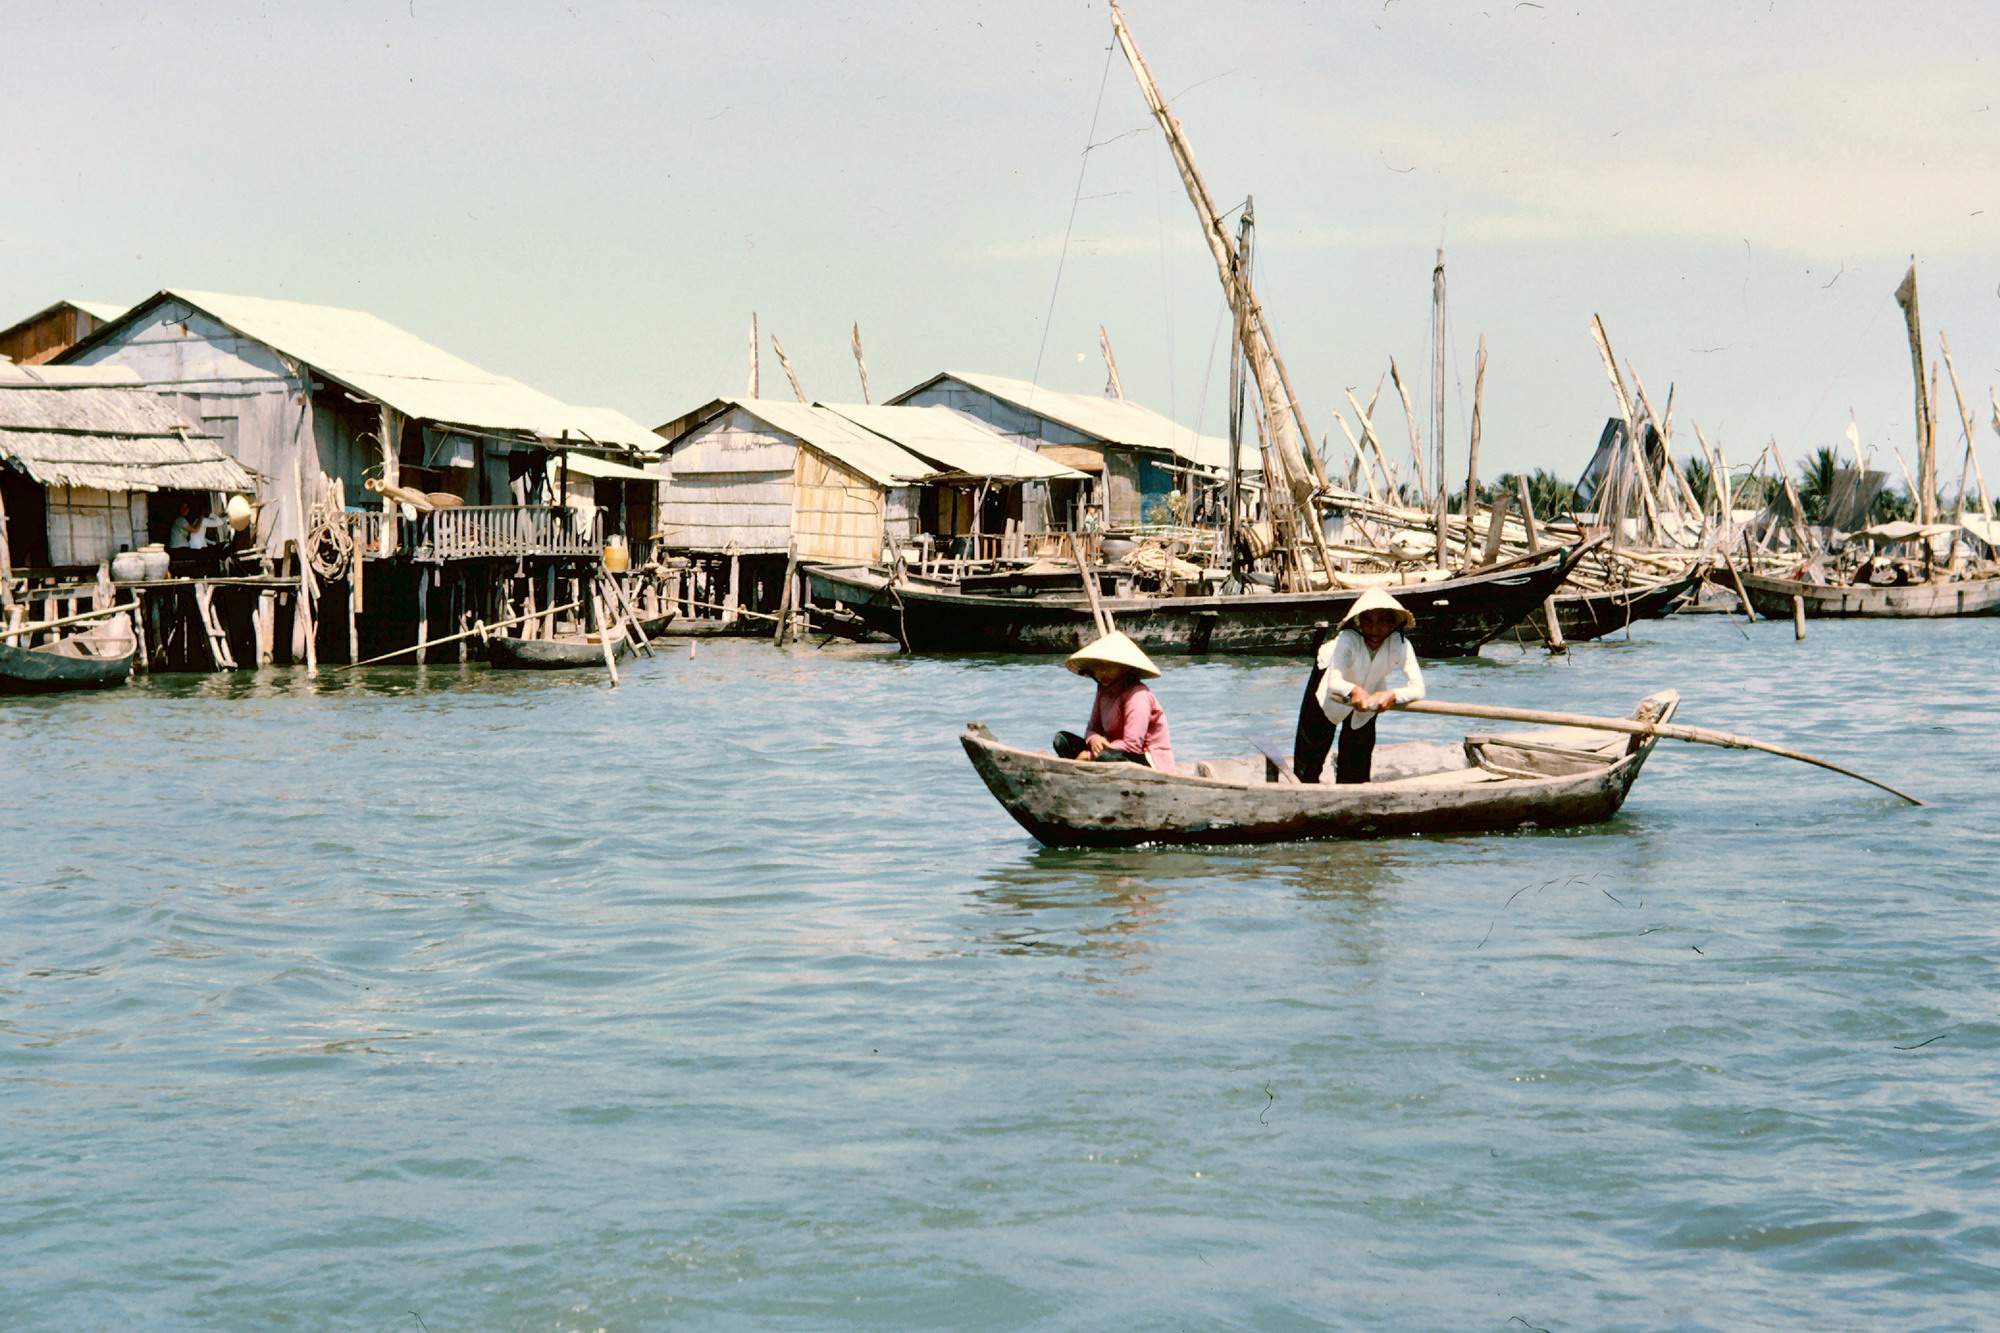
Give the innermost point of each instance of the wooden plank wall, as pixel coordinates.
(837, 514)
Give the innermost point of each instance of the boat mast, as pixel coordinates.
(1906, 297)
(1292, 470)
(1437, 402)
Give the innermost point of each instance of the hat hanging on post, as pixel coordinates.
(1377, 600)
(1115, 648)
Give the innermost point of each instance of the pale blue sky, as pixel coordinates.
(594, 196)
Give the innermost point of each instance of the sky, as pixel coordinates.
(594, 197)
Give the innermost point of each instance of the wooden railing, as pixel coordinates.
(473, 532)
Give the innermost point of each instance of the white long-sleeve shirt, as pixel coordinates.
(1349, 664)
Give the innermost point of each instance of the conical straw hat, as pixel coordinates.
(1113, 647)
(1377, 600)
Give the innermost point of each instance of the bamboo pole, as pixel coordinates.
(1906, 297)
(80, 617)
(1971, 435)
(1633, 727)
(1472, 453)
(480, 630)
(1097, 611)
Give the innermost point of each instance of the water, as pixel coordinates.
(465, 1001)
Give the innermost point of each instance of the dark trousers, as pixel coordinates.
(1355, 758)
(1069, 745)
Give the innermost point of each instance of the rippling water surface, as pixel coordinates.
(730, 999)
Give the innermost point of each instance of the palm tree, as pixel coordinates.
(1816, 478)
(1700, 480)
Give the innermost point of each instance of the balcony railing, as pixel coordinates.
(474, 532)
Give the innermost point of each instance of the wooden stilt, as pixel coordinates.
(731, 599)
(423, 615)
(218, 641)
(266, 626)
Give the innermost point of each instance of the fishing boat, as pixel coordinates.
(95, 659)
(1454, 616)
(1554, 777)
(1772, 596)
(565, 652)
(1584, 616)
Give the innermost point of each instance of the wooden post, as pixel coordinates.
(1496, 522)
(730, 599)
(267, 626)
(785, 595)
(1798, 617)
(1527, 512)
(423, 614)
(6, 568)
(354, 609)
(1749, 611)
(1556, 644)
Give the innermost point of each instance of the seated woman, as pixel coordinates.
(1367, 669)
(1126, 722)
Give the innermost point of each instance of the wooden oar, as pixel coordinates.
(481, 629)
(1632, 727)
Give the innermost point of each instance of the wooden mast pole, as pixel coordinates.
(1472, 459)
(1289, 455)
(1906, 297)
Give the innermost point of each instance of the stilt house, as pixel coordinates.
(754, 481)
(1134, 458)
(92, 463)
(498, 480)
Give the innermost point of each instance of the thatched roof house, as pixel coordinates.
(83, 451)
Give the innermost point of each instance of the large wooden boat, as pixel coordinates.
(1772, 597)
(565, 652)
(96, 659)
(1584, 616)
(1553, 777)
(1454, 616)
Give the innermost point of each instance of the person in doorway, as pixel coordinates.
(1127, 724)
(180, 535)
(1367, 669)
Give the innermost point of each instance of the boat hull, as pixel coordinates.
(550, 654)
(1963, 597)
(48, 671)
(1592, 615)
(1453, 617)
(1073, 803)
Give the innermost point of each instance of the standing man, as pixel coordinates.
(1367, 669)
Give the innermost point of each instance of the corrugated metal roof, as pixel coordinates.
(398, 368)
(832, 434)
(588, 465)
(66, 426)
(953, 441)
(1112, 420)
(103, 310)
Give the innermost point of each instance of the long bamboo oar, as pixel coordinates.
(482, 629)
(1632, 727)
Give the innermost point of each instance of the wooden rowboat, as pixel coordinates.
(96, 659)
(1546, 778)
(565, 652)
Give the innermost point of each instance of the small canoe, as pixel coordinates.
(96, 659)
(1553, 777)
(565, 652)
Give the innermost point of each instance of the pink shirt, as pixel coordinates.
(1133, 721)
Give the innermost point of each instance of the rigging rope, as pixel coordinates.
(1089, 143)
